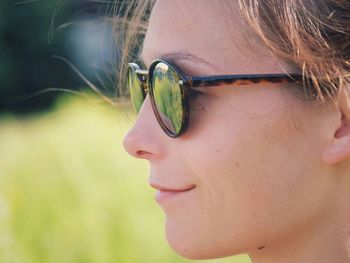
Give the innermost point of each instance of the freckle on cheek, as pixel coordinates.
(237, 165)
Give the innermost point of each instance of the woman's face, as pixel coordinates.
(252, 153)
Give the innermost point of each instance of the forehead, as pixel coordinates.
(211, 30)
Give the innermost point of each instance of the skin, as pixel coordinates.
(270, 174)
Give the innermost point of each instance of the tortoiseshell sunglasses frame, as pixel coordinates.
(187, 82)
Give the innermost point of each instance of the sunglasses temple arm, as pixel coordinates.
(242, 79)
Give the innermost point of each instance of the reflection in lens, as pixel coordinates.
(167, 97)
(136, 92)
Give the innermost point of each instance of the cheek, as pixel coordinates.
(264, 172)
(253, 188)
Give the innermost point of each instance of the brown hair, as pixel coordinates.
(130, 22)
(314, 35)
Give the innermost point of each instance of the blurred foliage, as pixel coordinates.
(69, 192)
(31, 33)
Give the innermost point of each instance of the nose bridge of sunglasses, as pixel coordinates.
(143, 77)
(141, 71)
(142, 74)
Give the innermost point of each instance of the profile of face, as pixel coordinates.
(252, 155)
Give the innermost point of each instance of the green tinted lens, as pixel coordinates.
(137, 93)
(168, 97)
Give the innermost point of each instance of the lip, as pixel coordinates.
(164, 194)
(171, 189)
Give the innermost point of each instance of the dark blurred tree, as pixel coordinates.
(31, 33)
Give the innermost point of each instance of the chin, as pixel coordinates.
(193, 252)
(185, 242)
(192, 242)
(189, 251)
(193, 246)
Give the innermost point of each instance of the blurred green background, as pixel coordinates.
(68, 191)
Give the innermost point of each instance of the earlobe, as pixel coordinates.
(339, 149)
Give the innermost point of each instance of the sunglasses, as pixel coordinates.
(170, 90)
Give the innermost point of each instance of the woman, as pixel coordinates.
(253, 156)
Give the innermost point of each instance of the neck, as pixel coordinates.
(325, 242)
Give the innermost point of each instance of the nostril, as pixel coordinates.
(138, 146)
(143, 154)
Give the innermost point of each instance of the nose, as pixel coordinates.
(144, 139)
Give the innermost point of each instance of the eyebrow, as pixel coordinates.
(178, 56)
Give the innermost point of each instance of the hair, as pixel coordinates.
(314, 35)
(130, 21)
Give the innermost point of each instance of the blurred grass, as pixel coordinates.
(69, 192)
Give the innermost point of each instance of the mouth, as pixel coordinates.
(171, 189)
(165, 194)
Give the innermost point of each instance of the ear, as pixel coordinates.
(339, 148)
